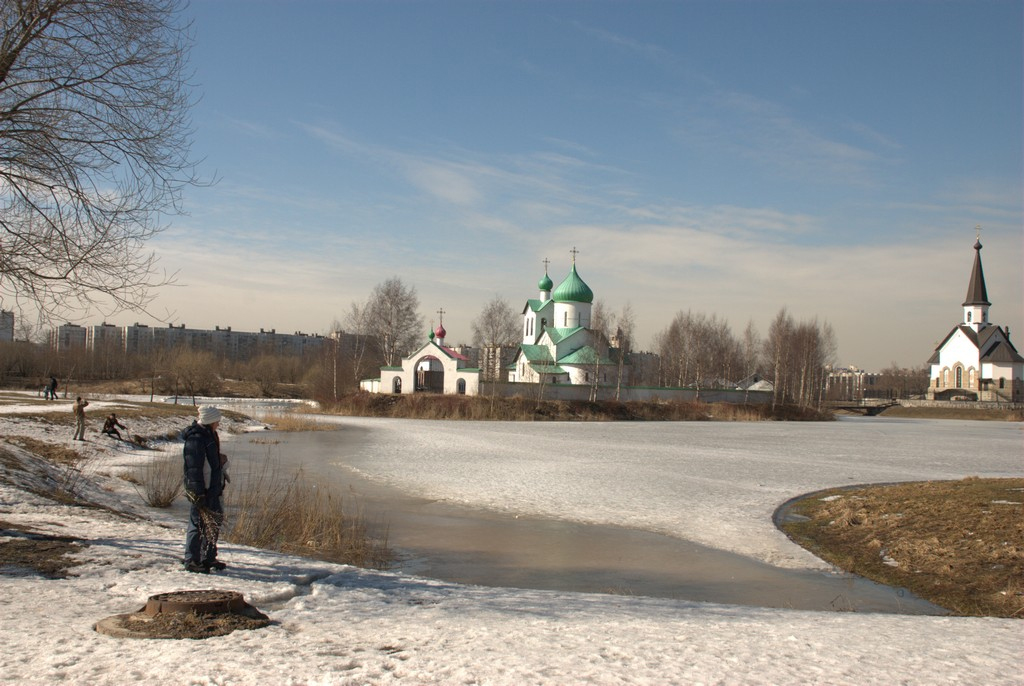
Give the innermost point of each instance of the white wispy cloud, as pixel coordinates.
(769, 135)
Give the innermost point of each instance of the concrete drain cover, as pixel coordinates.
(186, 614)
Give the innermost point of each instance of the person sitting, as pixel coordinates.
(111, 425)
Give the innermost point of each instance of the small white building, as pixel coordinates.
(976, 360)
(434, 368)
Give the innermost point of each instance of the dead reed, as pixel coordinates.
(159, 482)
(486, 408)
(299, 516)
(290, 421)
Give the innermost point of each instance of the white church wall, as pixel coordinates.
(959, 349)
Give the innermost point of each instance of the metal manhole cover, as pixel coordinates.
(199, 602)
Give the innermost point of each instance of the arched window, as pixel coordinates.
(396, 385)
(959, 377)
(460, 387)
(1002, 382)
(945, 378)
(969, 317)
(970, 378)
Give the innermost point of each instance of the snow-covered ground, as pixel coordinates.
(339, 625)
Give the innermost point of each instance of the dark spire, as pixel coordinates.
(977, 294)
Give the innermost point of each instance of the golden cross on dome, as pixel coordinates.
(440, 313)
(977, 231)
(546, 262)
(574, 252)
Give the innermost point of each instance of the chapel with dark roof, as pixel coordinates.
(976, 360)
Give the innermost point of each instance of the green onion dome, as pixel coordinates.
(545, 284)
(573, 290)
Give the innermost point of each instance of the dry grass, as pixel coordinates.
(159, 482)
(484, 408)
(64, 483)
(190, 625)
(301, 517)
(23, 550)
(959, 544)
(985, 414)
(285, 421)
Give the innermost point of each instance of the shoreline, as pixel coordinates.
(463, 544)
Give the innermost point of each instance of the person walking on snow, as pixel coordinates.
(79, 410)
(204, 483)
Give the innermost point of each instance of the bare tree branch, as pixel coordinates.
(94, 148)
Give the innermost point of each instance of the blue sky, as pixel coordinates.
(729, 158)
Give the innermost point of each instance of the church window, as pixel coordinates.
(970, 379)
(460, 387)
(945, 378)
(969, 317)
(396, 385)
(959, 377)
(565, 322)
(1002, 382)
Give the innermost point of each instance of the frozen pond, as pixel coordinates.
(669, 509)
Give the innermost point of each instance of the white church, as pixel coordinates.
(976, 360)
(558, 344)
(558, 347)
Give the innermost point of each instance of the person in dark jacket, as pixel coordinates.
(111, 426)
(204, 483)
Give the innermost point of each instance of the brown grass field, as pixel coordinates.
(958, 544)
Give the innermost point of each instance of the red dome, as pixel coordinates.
(439, 331)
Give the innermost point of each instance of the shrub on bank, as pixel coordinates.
(301, 517)
(433, 406)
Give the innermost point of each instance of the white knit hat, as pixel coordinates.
(208, 414)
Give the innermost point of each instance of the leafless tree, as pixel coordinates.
(497, 324)
(776, 356)
(495, 331)
(94, 144)
(624, 329)
(900, 382)
(394, 319)
(797, 355)
(196, 370)
(698, 350)
(751, 350)
(357, 325)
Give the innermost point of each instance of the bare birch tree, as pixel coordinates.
(94, 143)
(393, 318)
(624, 328)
